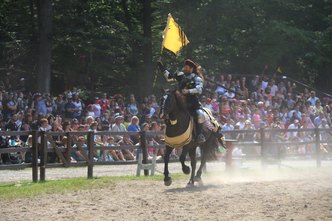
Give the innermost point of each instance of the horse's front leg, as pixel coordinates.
(167, 178)
(192, 154)
(185, 168)
(200, 169)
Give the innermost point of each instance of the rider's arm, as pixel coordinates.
(199, 86)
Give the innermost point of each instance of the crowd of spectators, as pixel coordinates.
(270, 102)
(248, 104)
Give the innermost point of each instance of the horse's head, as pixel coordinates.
(167, 104)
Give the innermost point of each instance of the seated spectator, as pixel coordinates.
(118, 126)
(319, 118)
(127, 153)
(76, 155)
(292, 135)
(155, 140)
(90, 112)
(228, 127)
(318, 108)
(44, 126)
(134, 127)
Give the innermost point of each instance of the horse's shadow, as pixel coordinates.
(192, 188)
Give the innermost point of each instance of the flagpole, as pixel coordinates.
(162, 47)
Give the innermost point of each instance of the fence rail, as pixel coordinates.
(41, 144)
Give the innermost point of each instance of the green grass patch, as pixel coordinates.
(9, 191)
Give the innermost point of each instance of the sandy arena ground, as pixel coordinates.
(271, 194)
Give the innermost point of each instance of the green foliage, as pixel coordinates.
(100, 44)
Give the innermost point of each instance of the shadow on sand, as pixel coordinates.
(192, 188)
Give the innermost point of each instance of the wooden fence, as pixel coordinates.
(41, 145)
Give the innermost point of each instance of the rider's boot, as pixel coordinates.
(221, 139)
(200, 136)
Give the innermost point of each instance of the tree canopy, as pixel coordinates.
(112, 46)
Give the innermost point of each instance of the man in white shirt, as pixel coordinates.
(241, 123)
(118, 126)
(293, 134)
(313, 98)
(274, 88)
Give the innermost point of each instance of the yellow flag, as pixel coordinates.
(174, 37)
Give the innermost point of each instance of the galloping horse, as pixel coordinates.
(179, 134)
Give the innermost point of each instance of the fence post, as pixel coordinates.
(262, 134)
(43, 155)
(68, 148)
(34, 156)
(90, 143)
(144, 151)
(317, 139)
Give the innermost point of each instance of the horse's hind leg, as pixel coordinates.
(185, 168)
(192, 154)
(167, 178)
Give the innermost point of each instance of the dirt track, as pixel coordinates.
(264, 195)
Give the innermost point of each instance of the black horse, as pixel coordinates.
(179, 134)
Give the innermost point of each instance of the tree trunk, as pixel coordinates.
(147, 75)
(44, 8)
(133, 44)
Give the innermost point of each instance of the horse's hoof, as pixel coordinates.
(190, 184)
(197, 179)
(168, 181)
(186, 170)
(200, 183)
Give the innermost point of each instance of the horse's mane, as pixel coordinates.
(180, 98)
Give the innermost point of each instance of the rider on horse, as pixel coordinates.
(191, 85)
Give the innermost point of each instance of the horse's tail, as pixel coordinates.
(209, 148)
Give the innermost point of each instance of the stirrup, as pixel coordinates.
(200, 138)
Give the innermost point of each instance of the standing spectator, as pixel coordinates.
(273, 87)
(97, 108)
(49, 103)
(9, 106)
(41, 105)
(313, 98)
(69, 108)
(132, 107)
(104, 103)
(254, 84)
(59, 105)
(78, 107)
